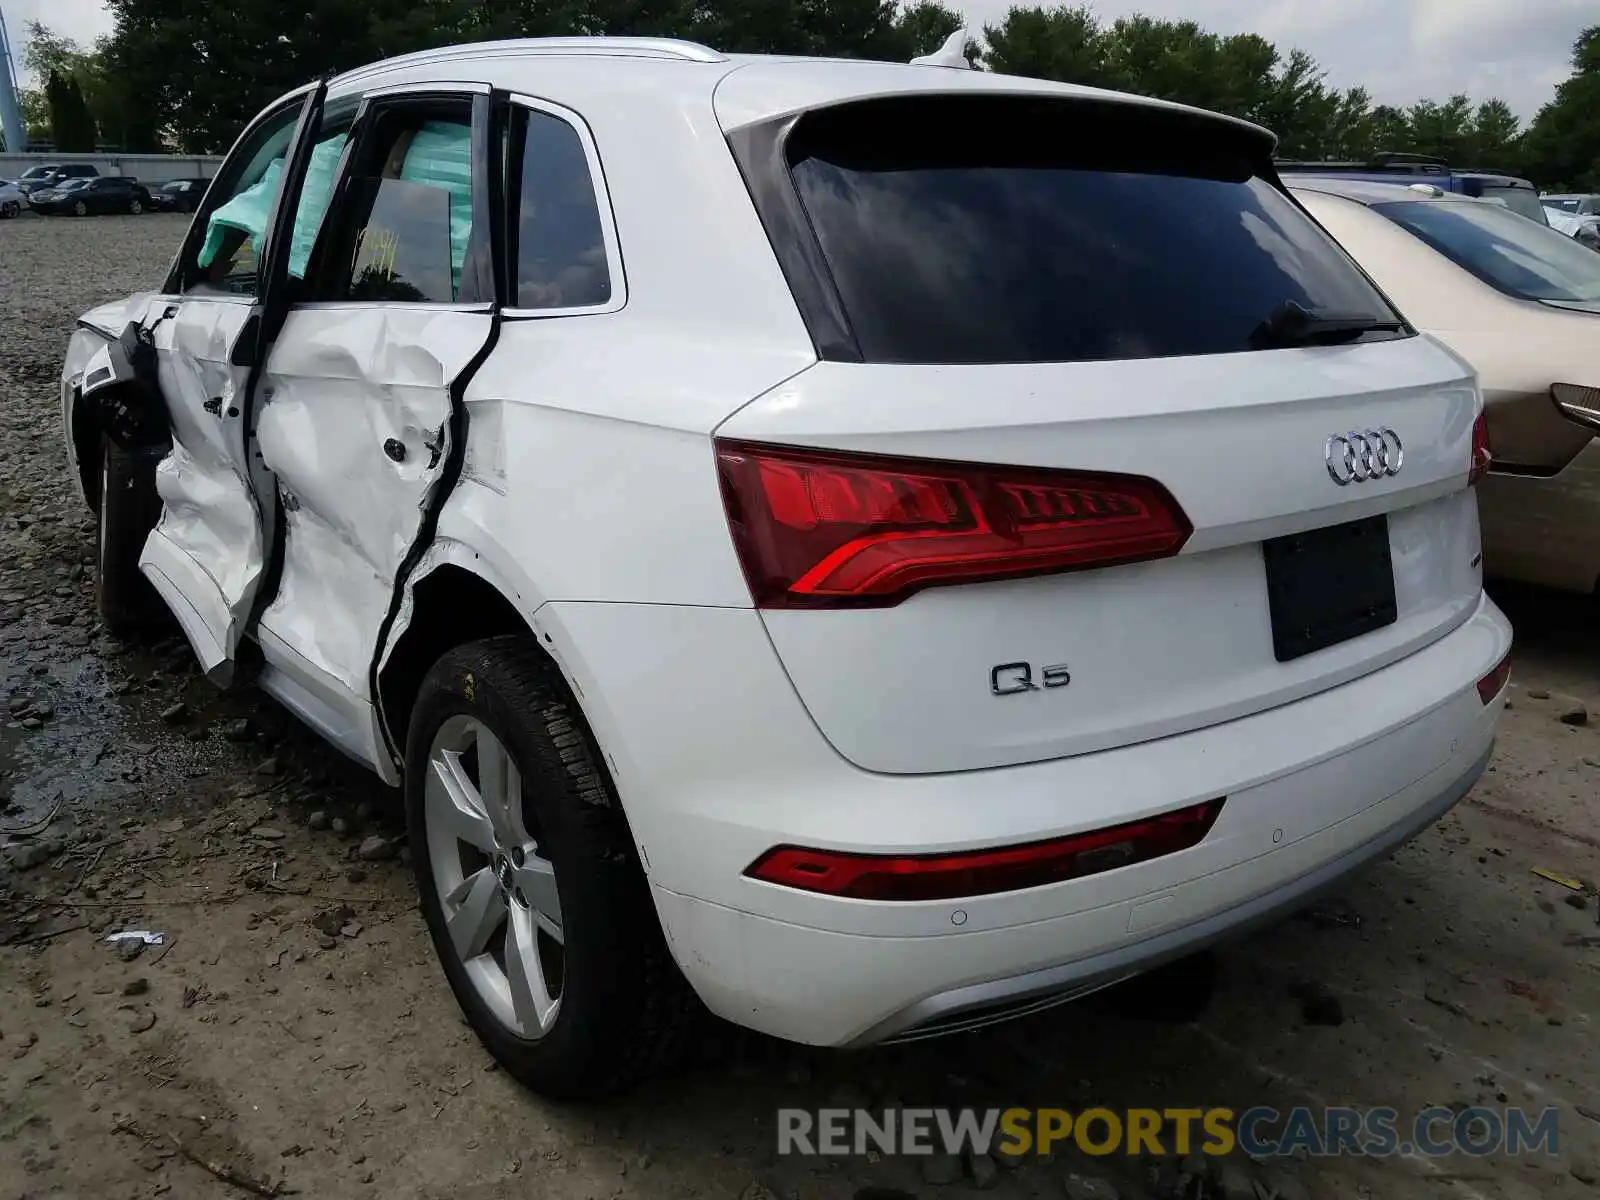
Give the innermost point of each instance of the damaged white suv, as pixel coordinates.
(875, 548)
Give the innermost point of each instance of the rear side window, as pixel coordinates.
(1005, 229)
(411, 221)
(559, 241)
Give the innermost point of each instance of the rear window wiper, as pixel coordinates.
(1292, 324)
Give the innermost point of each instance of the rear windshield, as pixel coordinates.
(1522, 200)
(987, 230)
(1531, 262)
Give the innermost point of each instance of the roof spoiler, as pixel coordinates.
(952, 54)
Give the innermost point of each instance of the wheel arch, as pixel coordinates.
(448, 606)
(85, 435)
(458, 597)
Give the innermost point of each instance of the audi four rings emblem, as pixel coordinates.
(1363, 454)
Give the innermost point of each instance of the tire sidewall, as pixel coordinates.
(588, 891)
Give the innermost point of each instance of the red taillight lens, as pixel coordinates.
(1491, 684)
(818, 529)
(982, 872)
(1481, 458)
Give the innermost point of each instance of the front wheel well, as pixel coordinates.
(450, 606)
(86, 446)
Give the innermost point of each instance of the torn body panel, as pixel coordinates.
(354, 422)
(206, 554)
(97, 327)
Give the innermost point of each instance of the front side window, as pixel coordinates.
(227, 257)
(1004, 229)
(560, 242)
(1513, 255)
(235, 228)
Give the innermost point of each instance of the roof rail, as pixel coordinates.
(665, 47)
(609, 47)
(1309, 164)
(1382, 164)
(1397, 158)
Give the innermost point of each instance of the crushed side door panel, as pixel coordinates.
(355, 424)
(205, 555)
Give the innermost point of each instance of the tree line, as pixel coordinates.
(187, 74)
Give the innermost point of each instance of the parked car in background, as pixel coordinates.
(1575, 215)
(1516, 193)
(49, 175)
(81, 197)
(178, 195)
(12, 199)
(1522, 304)
(762, 592)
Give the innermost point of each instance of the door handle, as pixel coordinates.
(395, 449)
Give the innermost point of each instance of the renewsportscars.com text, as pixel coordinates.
(1260, 1132)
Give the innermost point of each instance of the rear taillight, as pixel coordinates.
(1495, 681)
(984, 872)
(1481, 458)
(819, 529)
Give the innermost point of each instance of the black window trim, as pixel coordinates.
(479, 267)
(760, 150)
(512, 208)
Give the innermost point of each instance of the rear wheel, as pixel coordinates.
(533, 894)
(10, 209)
(128, 510)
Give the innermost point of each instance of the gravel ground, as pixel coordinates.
(293, 1027)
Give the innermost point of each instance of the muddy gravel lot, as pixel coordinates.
(292, 1034)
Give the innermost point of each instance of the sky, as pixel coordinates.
(1399, 50)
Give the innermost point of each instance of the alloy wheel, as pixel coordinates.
(496, 886)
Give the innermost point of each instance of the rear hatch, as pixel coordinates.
(1077, 470)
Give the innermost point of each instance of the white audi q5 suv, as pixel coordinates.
(869, 548)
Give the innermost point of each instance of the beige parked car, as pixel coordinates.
(1521, 303)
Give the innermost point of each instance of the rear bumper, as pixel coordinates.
(729, 766)
(981, 1004)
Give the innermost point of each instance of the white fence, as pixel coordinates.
(146, 168)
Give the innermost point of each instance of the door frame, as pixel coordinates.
(214, 625)
(483, 290)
